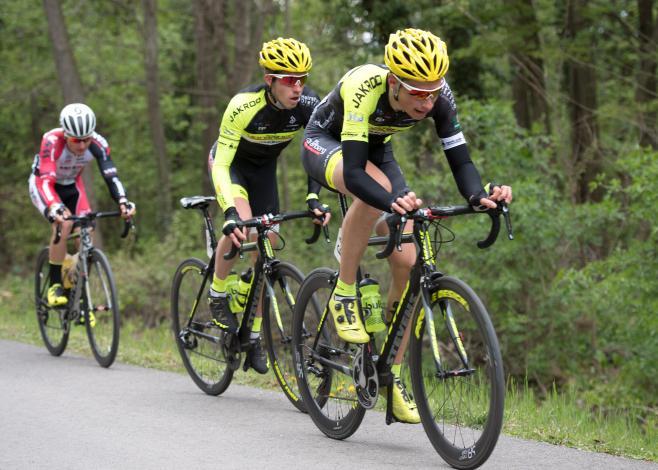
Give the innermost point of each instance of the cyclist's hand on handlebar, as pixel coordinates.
(321, 211)
(500, 193)
(58, 213)
(127, 208)
(406, 202)
(231, 228)
(497, 192)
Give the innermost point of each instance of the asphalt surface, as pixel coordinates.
(69, 413)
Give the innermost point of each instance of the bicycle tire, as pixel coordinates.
(329, 395)
(464, 437)
(286, 280)
(203, 359)
(100, 303)
(53, 322)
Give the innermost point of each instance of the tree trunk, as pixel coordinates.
(209, 38)
(70, 83)
(645, 93)
(528, 85)
(586, 155)
(155, 114)
(283, 162)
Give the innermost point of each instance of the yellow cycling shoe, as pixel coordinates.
(56, 296)
(404, 407)
(347, 320)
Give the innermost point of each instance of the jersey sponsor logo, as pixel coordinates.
(446, 93)
(313, 146)
(308, 100)
(365, 87)
(227, 131)
(244, 107)
(355, 117)
(100, 139)
(292, 120)
(386, 130)
(453, 141)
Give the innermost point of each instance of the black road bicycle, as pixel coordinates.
(92, 299)
(210, 354)
(455, 365)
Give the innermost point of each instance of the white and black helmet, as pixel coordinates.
(77, 120)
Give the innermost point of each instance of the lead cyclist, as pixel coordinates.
(347, 148)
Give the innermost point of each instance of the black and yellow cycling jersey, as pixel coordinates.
(255, 131)
(357, 116)
(358, 109)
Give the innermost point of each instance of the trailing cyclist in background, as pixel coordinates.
(56, 186)
(259, 122)
(347, 149)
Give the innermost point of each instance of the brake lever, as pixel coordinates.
(398, 235)
(508, 221)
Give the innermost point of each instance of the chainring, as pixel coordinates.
(364, 374)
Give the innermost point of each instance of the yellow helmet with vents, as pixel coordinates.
(415, 54)
(285, 55)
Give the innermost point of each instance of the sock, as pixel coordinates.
(395, 369)
(255, 328)
(218, 286)
(55, 273)
(345, 290)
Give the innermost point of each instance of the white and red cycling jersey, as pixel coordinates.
(57, 173)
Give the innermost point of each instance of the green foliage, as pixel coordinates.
(573, 297)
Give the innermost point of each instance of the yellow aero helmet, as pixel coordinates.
(416, 55)
(285, 55)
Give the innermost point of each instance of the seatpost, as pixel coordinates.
(209, 227)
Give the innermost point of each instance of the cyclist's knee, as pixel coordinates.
(64, 228)
(364, 212)
(378, 175)
(402, 262)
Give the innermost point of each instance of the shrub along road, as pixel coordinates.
(68, 412)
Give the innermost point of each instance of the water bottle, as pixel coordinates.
(232, 291)
(371, 303)
(242, 291)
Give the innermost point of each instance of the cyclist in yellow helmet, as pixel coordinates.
(347, 148)
(259, 122)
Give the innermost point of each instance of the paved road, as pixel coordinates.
(68, 413)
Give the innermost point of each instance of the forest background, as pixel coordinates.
(557, 98)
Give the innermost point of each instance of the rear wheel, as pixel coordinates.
(278, 323)
(53, 322)
(328, 393)
(201, 344)
(461, 402)
(101, 309)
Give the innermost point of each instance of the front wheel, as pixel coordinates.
(323, 361)
(202, 345)
(101, 309)
(278, 324)
(53, 322)
(457, 374)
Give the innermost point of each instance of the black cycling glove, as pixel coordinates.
(232, 218)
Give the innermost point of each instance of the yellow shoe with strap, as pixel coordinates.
(404, 406)
(344, 308)
(56, 296)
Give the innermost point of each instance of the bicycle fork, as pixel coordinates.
(427, 315)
